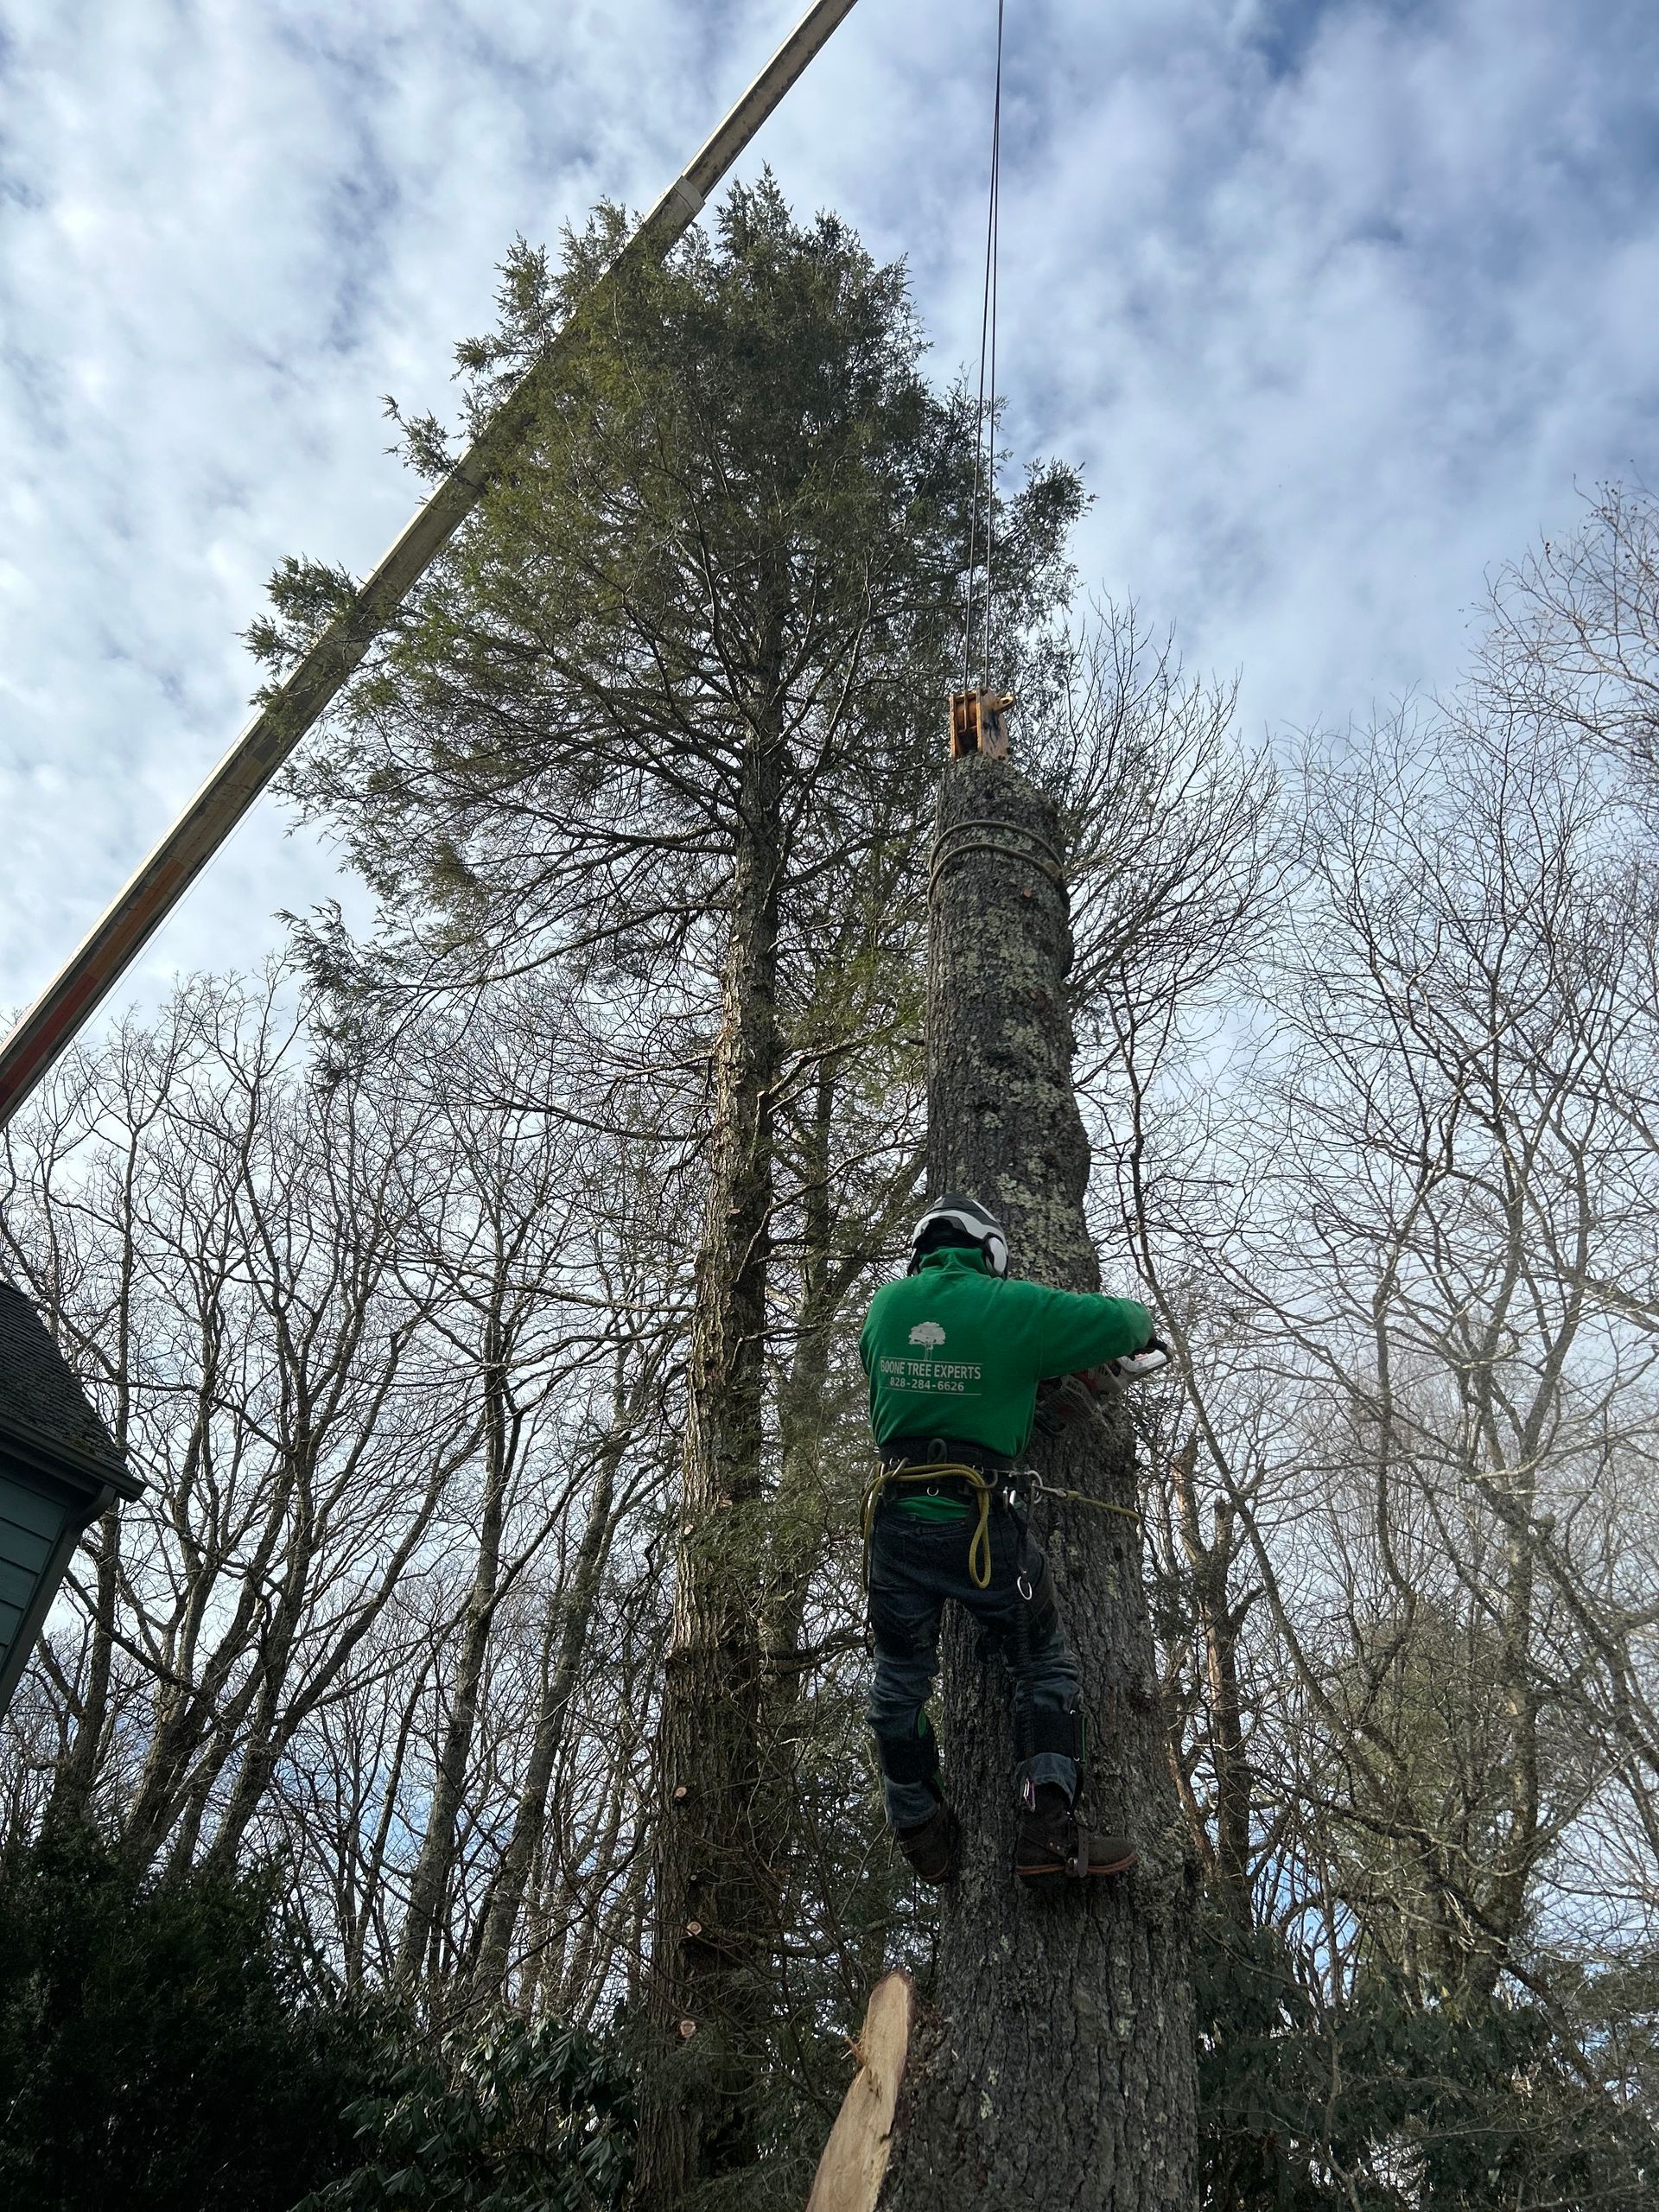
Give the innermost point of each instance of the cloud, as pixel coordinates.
(1335, 302)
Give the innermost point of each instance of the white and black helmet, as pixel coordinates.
(954, 1219)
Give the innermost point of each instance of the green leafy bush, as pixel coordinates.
(1398, 2098)
(523, 2119)
(163, 2046)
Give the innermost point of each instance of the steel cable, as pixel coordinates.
(985, 419)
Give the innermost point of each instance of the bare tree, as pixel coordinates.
(1572, 642)
(1407, 1381)
(261, 1352)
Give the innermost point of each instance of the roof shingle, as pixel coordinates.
(42, 1405)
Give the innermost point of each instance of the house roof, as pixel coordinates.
(44, 1412)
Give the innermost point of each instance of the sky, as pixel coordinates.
(1338, 304)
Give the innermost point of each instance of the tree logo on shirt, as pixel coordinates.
(927, 1332)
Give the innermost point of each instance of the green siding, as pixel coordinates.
(30, 1525)
(21, 1547)
(28, 1507)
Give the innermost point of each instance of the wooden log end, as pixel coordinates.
(854, 2161)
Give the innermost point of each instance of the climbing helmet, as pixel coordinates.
(955, 1220)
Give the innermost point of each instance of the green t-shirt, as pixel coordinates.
(955, 1350)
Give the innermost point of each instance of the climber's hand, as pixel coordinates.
(1140, 1366)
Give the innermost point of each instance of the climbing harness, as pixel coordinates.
(929, 1472)
(989, 1486)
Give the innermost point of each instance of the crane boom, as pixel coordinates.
(267, 740)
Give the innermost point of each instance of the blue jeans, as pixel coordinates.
(915, 1564)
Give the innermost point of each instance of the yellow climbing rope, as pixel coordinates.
(985, 1489)
(979, 1551)
(1041, 1488)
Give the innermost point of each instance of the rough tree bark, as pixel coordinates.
(712, 1911)
(1058, 2069)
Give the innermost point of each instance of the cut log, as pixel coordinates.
(855, 2160)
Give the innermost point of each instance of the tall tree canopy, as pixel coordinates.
(667, 713)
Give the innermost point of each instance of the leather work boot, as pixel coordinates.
(1053, 1848)
(934, 1848)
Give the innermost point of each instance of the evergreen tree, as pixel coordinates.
(675, 694)
(165, 2044)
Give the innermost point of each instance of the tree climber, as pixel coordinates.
(955, 1351)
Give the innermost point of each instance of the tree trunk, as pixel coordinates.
(1058, 2068)
(430, 1879)
(798, 1522)
(712, 1912)
(1220, 1623)
(76, 1773)
(565, 1642)
(77, 1770)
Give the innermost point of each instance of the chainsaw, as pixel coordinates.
(1068, 1398)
